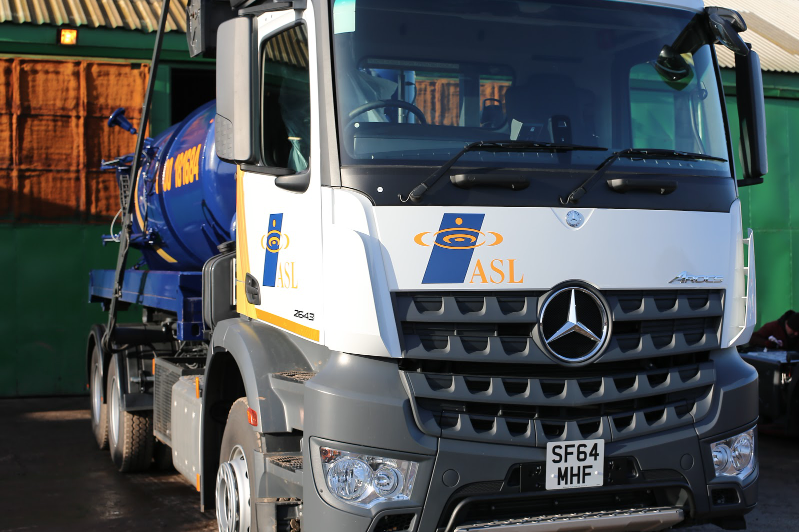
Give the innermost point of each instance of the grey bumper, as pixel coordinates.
(361, 401)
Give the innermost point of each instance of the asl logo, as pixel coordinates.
(273, 242)
(453, 247)
(458, 237)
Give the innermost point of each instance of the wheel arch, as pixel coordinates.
(247, 353)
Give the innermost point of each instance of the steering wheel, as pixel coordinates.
(377, 104)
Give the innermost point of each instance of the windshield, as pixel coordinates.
(418, 80)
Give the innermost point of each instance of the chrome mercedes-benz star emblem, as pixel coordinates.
(574, 219)
(573, 324)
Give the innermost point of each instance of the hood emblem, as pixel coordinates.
(573, 324)
(574, 219)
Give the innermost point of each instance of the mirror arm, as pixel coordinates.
(749, 181)
(295, 182)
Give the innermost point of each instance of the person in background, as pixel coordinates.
(782, 334)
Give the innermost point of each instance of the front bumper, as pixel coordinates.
(361, 401)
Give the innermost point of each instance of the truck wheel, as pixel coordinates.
(130, 435)
(99, 408)
(235, 486)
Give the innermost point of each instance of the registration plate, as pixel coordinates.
(575, 464)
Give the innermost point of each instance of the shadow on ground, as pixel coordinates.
(53, 478)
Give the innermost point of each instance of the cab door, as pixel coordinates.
(279, 199)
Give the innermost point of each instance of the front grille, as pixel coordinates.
(471, 512)
(395, 523)
(476, 373)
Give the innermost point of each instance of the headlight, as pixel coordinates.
(365, 480)
(734, 457)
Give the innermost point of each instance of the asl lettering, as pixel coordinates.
(498, 270)
(501, 271)
(478, 270)
(285, 276)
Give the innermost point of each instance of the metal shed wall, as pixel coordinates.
(772, 209)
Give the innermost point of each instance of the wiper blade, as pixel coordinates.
(632, 153)
(491, 145)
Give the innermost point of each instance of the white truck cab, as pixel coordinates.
(489, 268)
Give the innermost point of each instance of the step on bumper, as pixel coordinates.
(639, 520)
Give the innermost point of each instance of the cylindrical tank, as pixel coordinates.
(185, 203)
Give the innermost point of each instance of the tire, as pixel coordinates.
(99, 409)
(235, 479)
(130, 435)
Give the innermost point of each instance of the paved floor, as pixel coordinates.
(53, 478)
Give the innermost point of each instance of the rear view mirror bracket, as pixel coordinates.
(725, 25)
(298, 182)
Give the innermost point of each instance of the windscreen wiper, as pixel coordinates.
(491, 145)
(631, 153)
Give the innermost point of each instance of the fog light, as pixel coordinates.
(388, 480)
(364, 480)
(735, 457)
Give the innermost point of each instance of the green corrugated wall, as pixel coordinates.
(44, 311)
(44, 269)
(771, 209)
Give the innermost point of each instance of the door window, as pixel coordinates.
(286, 100)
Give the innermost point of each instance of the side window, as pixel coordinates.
(286, 100)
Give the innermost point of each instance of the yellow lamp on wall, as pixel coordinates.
(68, 36)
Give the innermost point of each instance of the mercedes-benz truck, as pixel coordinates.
(452, 266)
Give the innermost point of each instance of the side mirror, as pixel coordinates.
(752, 118)
(233, 135)
(671, 65)
(725, 24)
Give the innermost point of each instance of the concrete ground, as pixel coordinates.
(52, 477)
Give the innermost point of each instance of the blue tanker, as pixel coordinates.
(185, 202)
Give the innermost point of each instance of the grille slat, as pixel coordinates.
(654, 305)
(655, 375)
(536, 393)
(468, 308)
(495, 348)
